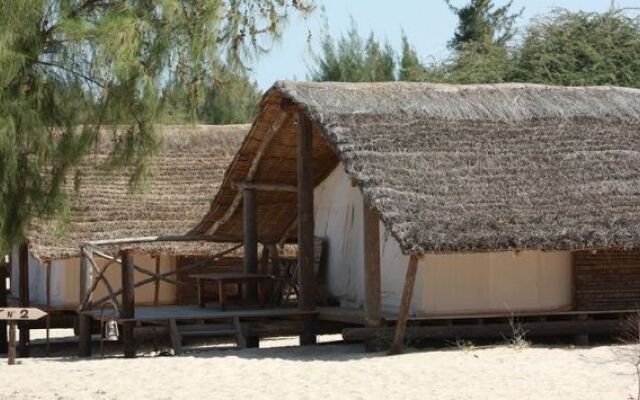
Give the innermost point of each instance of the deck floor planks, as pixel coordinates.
(143, 313)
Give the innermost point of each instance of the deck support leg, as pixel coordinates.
(250, 239)
(252, 342)
(23, 345)
(128, 303)
(306, 280)
(405, 304)
(372, 280)
(582, 339)
(84, 321)
(4, 273)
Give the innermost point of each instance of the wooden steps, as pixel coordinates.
(234, 330)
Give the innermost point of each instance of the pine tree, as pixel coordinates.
(480, 43)
(68, 68)
(480, 22)
(411, 69)
(352, 59)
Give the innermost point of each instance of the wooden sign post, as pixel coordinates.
(13, 315)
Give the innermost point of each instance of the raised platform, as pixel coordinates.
(356, 316)
(179, 313)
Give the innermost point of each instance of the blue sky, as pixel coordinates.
(428, 24)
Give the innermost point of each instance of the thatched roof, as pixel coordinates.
(459, 168)
(183, 179)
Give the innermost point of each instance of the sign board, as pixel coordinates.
(14, 314)
(18, 313)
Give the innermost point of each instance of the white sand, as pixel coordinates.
(333, 371)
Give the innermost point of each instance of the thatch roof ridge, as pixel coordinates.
(503, 102)
(184, 176)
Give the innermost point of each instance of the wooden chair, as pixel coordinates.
(286, 276)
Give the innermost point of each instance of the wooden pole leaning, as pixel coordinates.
(405, 305)
(306, 279)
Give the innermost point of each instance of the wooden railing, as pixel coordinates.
(91, 275)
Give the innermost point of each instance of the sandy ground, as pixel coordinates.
(331, 371)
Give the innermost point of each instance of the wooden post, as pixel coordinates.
(156, 288)
(405, 304)
(84, 321)
(12, 343)
(306, 281)
(128, 303)
(264, 260)
(23, 347)
(48, 294)
(372, 279)
(3, 303)
(250, 239)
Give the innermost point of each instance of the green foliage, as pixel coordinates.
(354, 59)
(478, 63)
(568, 48)
(480, 22)
(411, 69)
(232, 99)
(68, 68)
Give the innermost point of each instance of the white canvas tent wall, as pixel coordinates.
(500, 282)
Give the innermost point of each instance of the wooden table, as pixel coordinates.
(237, 278)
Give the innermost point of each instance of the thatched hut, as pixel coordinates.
(182, 178)
(504, 198)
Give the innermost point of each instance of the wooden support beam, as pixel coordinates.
(265, 187)
(4, 273)
(405, 304)
(250, 238)
(306, 279)
(253, 169)
(372, 278)
(151, 239)
(128, 303)
(23, 262)
(86, 288)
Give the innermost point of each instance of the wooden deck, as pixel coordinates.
(550, 323)
(181, 313)
(356, 316)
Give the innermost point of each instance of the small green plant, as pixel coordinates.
(518, 338)
(465, 345)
